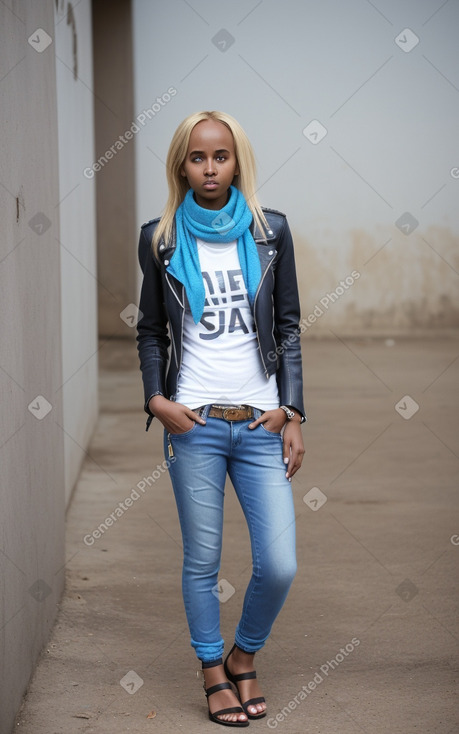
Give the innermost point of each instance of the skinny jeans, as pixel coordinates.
(253, 459)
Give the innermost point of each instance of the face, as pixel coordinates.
(210, 164)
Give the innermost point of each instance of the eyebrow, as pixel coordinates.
(201, 152)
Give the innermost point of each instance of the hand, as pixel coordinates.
(175, 417)
(293, 447)
(274, 420)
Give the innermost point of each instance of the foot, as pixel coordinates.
(242, 662)
(221, 699)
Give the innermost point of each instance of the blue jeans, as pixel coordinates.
(254, 462)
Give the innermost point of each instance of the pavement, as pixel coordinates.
(367, 640)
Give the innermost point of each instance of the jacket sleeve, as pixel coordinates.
(152, 334)
(287, 331)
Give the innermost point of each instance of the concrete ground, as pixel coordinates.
(367, 640)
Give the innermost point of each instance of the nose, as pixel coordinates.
(209, 169)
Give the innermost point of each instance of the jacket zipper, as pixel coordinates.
(255, 318)
(182, 306)
(173, 291)
(170, 450)
(179, 366)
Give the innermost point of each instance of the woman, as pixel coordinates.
(220, 289)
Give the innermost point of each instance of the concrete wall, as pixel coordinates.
(77, 237)
(113, 167)
(354, 135)
(32, 448)
(47, 300)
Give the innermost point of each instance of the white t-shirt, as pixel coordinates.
(221, 363)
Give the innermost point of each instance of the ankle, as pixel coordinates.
(241, 659)
(213, 675)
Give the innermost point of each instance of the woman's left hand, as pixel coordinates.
(293, 447)
(274, 421)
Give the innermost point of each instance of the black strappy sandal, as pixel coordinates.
(244, 676)
(231, 710)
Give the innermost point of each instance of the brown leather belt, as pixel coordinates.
(230, 412)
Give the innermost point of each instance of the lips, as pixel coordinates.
(210, 185)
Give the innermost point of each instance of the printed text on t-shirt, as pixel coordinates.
(224, 288)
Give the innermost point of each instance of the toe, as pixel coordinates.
(255, 709)
(233, 717)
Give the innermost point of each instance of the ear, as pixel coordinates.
(182, 172)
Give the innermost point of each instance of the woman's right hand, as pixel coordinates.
(175, 417)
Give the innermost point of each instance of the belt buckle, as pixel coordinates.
(231, 414)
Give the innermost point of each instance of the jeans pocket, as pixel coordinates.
(184, 433)
(270, 433)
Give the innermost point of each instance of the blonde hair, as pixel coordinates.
(178, 185)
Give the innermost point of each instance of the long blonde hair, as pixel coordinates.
(178, 184)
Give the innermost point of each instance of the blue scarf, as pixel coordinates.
(223, 225)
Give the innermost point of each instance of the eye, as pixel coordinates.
(221, 158)
(196, 159)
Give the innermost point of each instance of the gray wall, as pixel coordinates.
(77, 234)
(389, 155)
(46, 231)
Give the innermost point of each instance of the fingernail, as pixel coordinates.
(285, 461)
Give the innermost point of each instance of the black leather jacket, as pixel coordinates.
(276, 312)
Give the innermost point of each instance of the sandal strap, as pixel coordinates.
(218, 687)
(245, 676)
(211, 663)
